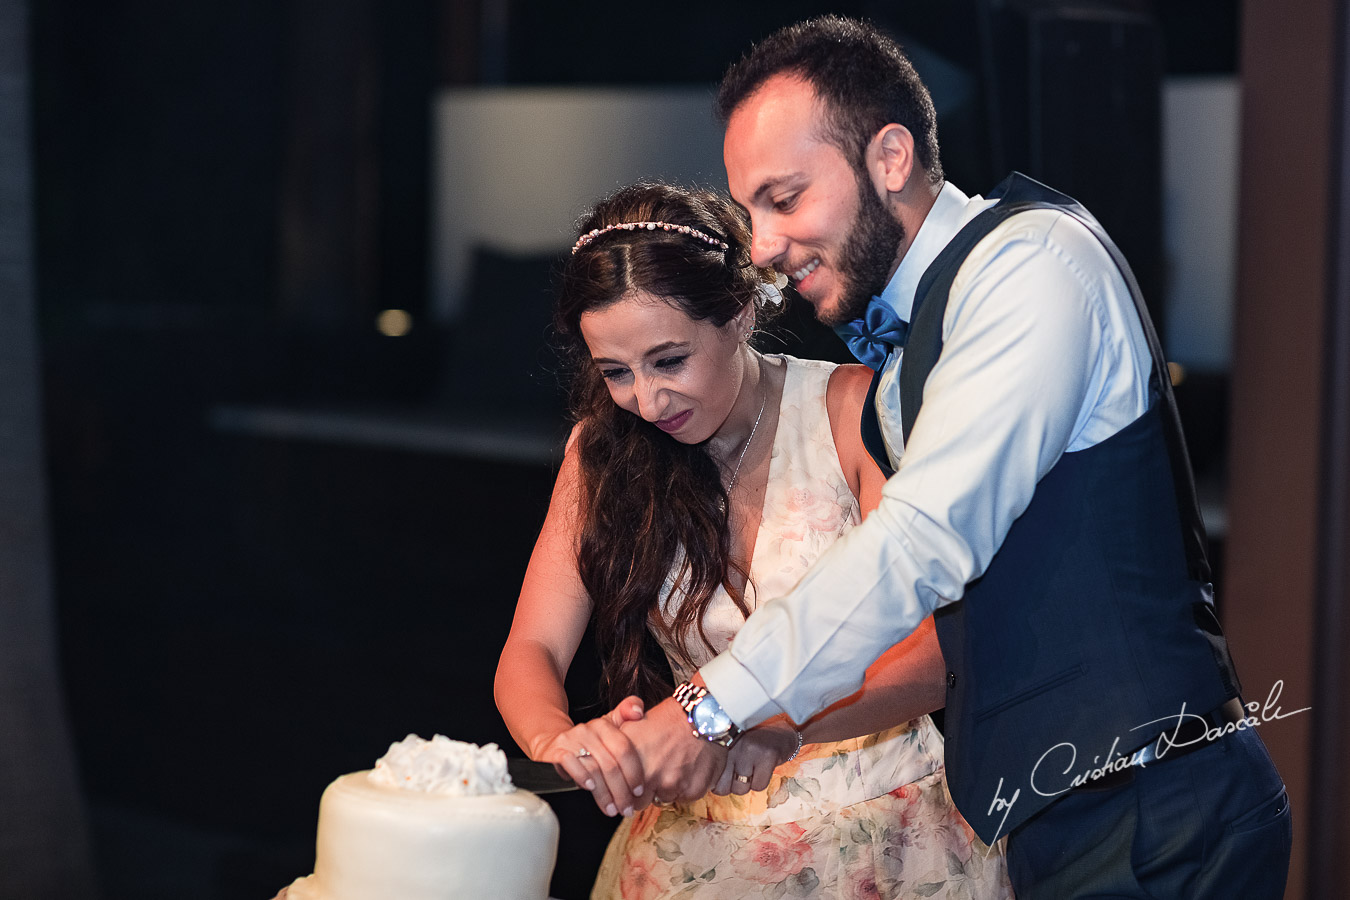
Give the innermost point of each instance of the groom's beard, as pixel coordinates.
(866, 257)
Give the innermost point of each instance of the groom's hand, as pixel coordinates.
(678, 766)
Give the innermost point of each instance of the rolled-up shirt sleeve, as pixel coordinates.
(1031, 355)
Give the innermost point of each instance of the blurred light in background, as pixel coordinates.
(394, 322)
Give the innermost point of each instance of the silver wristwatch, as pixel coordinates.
(706, 715)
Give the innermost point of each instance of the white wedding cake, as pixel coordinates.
(434, 820)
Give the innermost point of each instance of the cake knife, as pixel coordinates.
(537, 777)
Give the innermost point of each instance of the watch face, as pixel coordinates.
(709, 718)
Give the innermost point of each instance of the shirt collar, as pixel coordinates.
(951, 211)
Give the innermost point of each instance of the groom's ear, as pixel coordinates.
(890, 158)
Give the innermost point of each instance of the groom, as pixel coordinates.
(1041, 503)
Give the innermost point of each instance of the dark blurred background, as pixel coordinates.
(283, 537)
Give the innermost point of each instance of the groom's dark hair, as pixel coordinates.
(861, 74)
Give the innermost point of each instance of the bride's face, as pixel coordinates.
(680, 374)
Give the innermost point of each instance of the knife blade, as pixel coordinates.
(538, 777)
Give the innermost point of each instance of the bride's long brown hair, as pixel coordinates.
(651, 505)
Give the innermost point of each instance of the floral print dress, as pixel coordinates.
(868, 817)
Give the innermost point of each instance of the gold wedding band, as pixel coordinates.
(583, 753)
(743, 779)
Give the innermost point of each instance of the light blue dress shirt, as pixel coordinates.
(1043, 354)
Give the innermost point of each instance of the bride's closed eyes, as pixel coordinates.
(665, 364)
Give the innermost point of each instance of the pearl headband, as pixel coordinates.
(650, 226)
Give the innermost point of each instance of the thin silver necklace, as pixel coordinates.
(740, 459)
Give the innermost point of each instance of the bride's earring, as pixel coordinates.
(747, 321)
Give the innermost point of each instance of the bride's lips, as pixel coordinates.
(674, 423)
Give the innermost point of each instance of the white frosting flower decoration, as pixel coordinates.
(443, 766)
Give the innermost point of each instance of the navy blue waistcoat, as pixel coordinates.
(1095, 616)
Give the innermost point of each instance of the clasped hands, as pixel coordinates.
(631, 757)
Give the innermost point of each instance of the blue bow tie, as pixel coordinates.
(871, 338)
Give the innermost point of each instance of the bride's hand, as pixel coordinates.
(599, 757)
(754, 756)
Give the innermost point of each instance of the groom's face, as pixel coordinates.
(814, 218)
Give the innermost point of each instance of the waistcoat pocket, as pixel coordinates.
(1027, 693)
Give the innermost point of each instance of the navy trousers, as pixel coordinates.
(1213, 823)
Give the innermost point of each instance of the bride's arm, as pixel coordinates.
(550, 619)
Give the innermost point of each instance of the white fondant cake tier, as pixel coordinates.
(377, 843)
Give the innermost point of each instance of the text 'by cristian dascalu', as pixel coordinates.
(1058, 769)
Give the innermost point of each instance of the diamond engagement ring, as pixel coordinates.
(743, 779)
(583, 753)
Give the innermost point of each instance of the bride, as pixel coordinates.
(703, 477)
